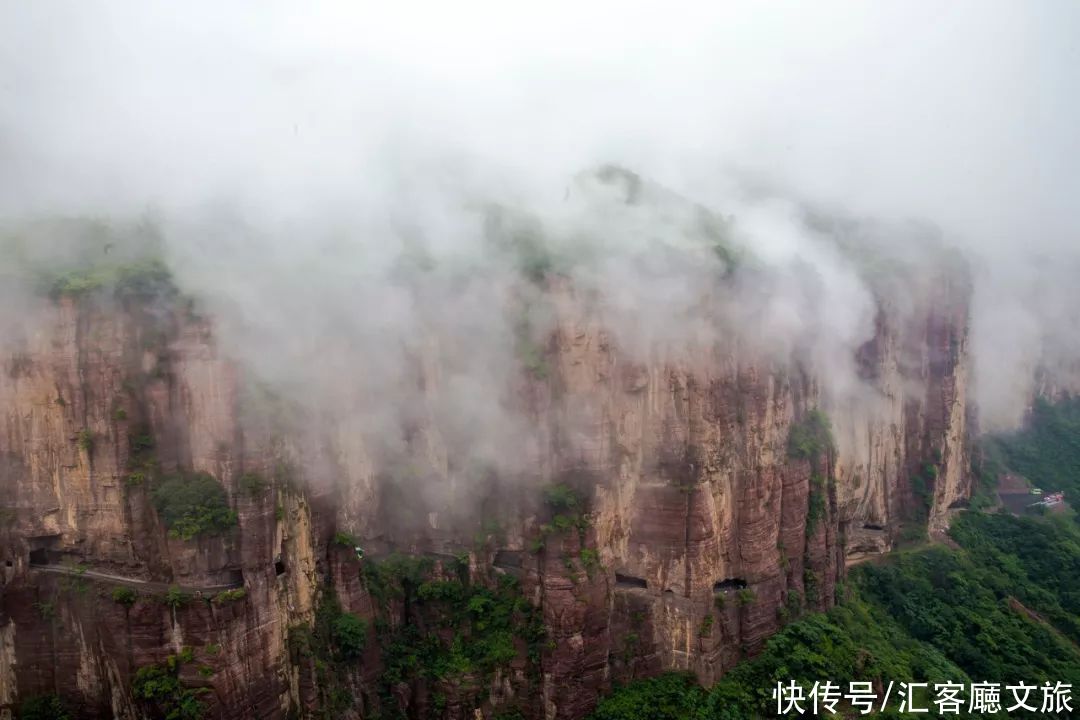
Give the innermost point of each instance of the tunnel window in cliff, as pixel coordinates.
(508, 559)
(42, 548)
(629, 581)
(729, 584)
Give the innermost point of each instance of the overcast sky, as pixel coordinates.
(964, 112)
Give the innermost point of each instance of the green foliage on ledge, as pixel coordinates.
(344, 539)
(227, 596)
(815, 509)
(124, 596)
(350, 635)
(252, 484)
(567, 508)
(192, 504)
(811, 436)
(159, 689)
(393, 577)
(142, 280)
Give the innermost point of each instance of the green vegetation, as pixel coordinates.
(393, 577)
(350, 635)
(159, 689)
(482, 624)
(706, 626)
(192, 504)
(974, 606)
(674, 696)
(253, 484)
(810, 437)
(453, 628)
(142, 464)
(344, 539)
(43, 707)
(141, 442)
(590, 559)
(815, 509)
(521, 240)
(124, 596)
(719, 236)
(226, 596)
(745, 597)
(1005, 607)
(46, 609)
(85, 440)
(1046, 450)
(566, 506)
(139, 280)
(560, 498)
(176, 598)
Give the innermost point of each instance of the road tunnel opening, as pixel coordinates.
(629, 581)
(728, 584)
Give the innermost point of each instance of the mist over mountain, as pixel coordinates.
(410, 265)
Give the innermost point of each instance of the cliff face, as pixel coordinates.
(704, 523)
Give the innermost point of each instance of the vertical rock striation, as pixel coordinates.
(704, 528)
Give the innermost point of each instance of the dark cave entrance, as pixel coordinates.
(43, 549)
(728, 584)
(629, 581)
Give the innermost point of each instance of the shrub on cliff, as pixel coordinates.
(350, 635)
(43, 707)
(142, 280)
(674, 696)
(811, 436)
(192, 504)
(561, 498)
(252, 484)
(124, 596)
(160, 689)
